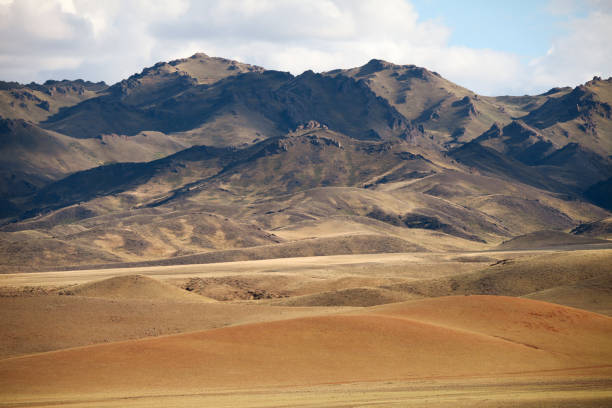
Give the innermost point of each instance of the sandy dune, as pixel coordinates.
(454, 336)
(133, 287)
(570, 333)
(34, 324)
(133, 337)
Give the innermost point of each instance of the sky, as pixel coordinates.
(492, 47)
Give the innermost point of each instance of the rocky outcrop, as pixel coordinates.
(311, 124)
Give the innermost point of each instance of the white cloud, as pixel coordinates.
(112, 39)
(585, 51)
(295, 36)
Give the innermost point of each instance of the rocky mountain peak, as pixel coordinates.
(378, 64)
(199, 55)
(311, 124)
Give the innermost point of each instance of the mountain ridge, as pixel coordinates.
(387, 150)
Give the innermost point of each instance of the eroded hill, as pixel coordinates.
(216, 159)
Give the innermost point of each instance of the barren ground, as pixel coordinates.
(294, 332)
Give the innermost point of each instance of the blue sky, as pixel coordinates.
(525, 28)
(492, 47)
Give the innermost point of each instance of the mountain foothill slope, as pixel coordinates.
(203, 154)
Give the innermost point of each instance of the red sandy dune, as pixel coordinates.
(453, 336)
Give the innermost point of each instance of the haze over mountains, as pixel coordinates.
(209, 159)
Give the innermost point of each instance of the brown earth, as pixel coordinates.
(36, 324)
(296, 335)
(454, 336)
(520, 276)
(132, 287)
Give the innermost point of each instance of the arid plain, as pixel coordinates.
(357, 330)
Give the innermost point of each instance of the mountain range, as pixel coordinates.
(206, 159)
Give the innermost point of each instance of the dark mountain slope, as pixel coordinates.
(601, 194)
(582, 116)
(311, 157)
(343, 104)
(582, 102)
(576, 166)
(102, 115)
(32, 157)
(151, 100)
(598, 229)
(448, 112)
(168, 100)
(35, 102)
(206, 154)
(491, 162)
(518, 141)
(119, 177)
(571, 167)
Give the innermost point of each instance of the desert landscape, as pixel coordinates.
(497, 328)
(209, 232)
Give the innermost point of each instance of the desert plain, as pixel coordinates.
(346, 330)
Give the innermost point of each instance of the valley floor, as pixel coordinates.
(487, 329)
(588, 391)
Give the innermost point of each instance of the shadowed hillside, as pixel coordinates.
(35, 102)
(519, 277)
(381, 151)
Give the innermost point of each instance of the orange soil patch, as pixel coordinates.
(454, 336)
(571, 334)
(39, 324)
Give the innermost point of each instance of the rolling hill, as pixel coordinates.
(458, 336)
